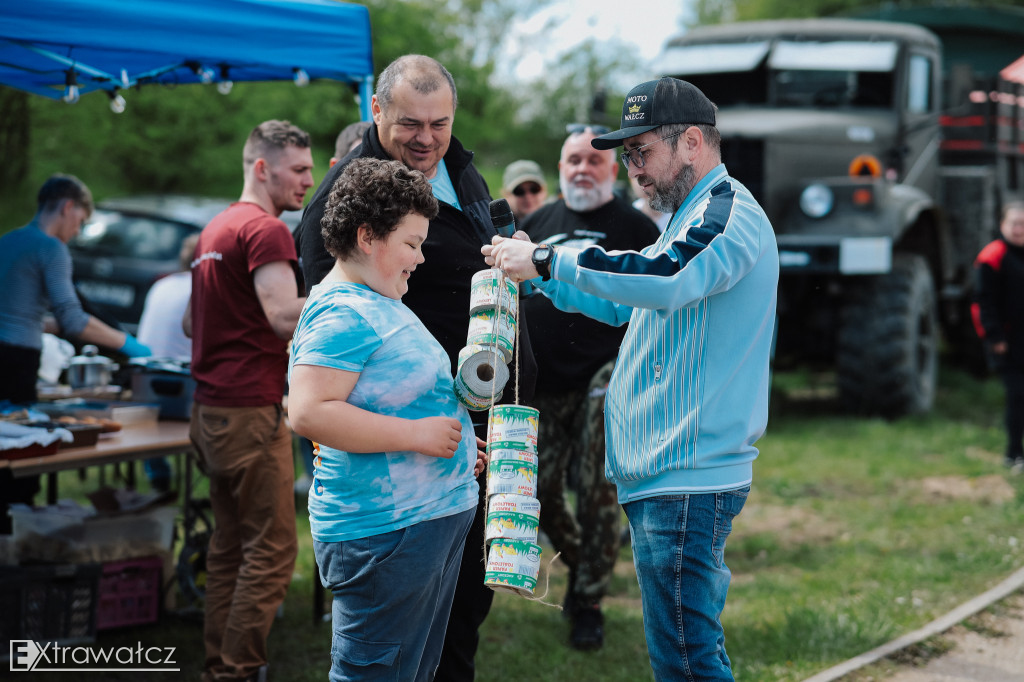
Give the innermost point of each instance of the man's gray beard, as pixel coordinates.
(669, 199)
(582, 199)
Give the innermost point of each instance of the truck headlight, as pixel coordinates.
(816, 201)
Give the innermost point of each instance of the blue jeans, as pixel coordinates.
(392, 596)
(679, 554)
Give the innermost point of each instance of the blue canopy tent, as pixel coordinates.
(64, 48)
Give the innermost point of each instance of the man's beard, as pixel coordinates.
(669, 199)
(582, 199)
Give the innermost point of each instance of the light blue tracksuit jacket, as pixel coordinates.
(689, 395)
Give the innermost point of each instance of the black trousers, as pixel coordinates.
(18, 368)
(1013, 379)
(472, 598)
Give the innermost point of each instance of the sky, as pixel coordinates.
(646, 24)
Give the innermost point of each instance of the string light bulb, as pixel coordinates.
(71, 93)
(117, 103)
(225, 84)
(300, 77)
(204, 73)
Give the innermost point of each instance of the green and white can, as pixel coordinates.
(509, 450)
(512, 476)
(493, 328)
(512, 517)
(513, 566)
(515, 424)
(491, 289)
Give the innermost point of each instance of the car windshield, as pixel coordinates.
(114, 234)
(841, 73)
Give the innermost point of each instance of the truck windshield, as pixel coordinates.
(789, 73)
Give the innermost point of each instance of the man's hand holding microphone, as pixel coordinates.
(515, 253)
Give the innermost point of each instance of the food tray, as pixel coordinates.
(84, 434)
(30, 451)
(124, 412)
(18, 441)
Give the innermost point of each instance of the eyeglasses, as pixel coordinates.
(577, 128)
(527, 188)
(636, 156)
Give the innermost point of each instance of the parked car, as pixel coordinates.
(130, 243)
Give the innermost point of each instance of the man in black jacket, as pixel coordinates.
(413, 111)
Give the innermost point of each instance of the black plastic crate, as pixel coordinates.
(49, 603)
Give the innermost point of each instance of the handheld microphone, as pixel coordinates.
(502, 218)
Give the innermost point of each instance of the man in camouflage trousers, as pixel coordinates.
(575, 356)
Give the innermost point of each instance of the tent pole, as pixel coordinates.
(365, 95)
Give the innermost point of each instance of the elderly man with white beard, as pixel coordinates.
(575, 355)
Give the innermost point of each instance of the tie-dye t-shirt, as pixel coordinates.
(403, 372)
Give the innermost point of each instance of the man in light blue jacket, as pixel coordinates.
(689, 396)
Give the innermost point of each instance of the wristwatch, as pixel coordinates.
(542, 257)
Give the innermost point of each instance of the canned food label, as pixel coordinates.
(488, 328)
(505, 450)
(514, 564)
(511, 526)
(522, 585)
(515, 504)
(491, 289)
(511, 476)
(513, 424)
(468, 398)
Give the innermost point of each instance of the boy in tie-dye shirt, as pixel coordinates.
(394, 489)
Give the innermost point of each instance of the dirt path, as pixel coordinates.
(989, 647)
(981, 640)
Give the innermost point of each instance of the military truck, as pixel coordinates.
(835, 127)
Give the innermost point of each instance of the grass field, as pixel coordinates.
(857, 530)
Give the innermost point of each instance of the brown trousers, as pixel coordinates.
(247, 454)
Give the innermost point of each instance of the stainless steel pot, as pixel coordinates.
(90, 370)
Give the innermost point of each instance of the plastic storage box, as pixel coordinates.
(67, 534)
(49, 603)
(172, 392)
(129, 593)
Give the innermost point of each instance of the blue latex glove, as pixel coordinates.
(133, 349)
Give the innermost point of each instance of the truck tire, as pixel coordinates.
(887, 358)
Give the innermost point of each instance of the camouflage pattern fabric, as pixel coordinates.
(572, 428)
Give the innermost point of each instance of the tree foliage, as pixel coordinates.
(188, 139)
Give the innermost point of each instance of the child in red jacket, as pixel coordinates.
(998, 312)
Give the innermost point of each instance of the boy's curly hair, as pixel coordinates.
(377, 194)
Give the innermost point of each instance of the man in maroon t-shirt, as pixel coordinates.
(245, 304)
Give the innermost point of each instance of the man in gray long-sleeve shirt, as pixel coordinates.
(35, 276)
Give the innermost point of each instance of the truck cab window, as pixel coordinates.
(919, 85)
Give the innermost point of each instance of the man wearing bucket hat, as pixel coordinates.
(524, 187)
(689, 396)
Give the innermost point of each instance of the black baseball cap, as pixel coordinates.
(657, 103)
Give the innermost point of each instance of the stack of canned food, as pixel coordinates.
(513, 511)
